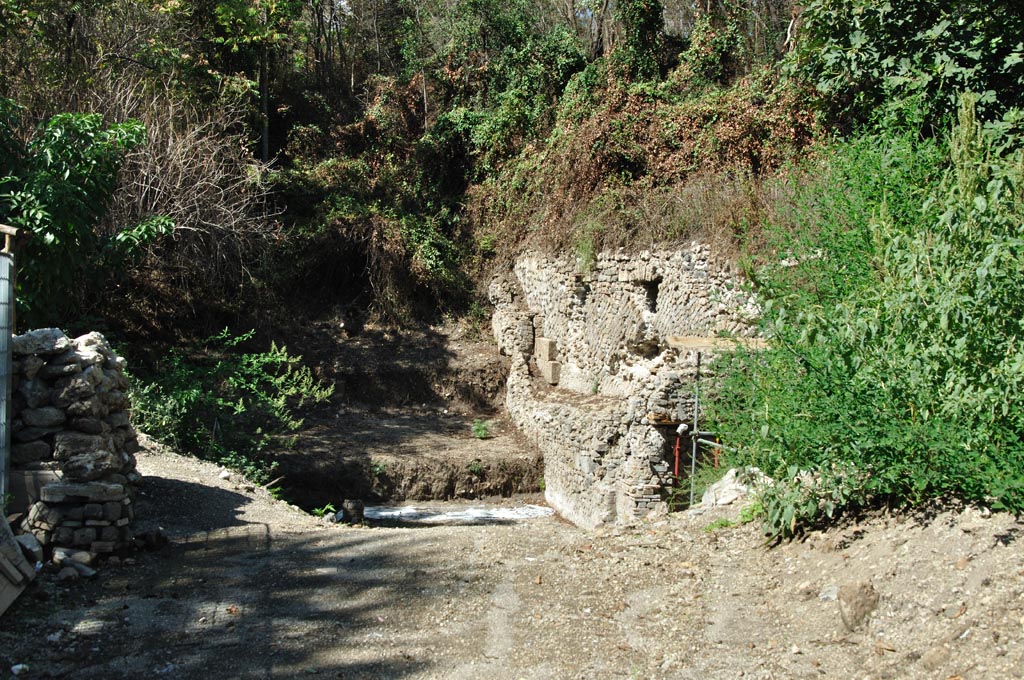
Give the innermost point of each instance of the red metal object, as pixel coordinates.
(676, 453)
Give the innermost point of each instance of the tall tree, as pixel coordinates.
(261, 25)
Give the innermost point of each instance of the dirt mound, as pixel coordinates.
(415, 453)
(457, 364)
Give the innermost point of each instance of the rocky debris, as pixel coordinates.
(151, 539)
(66, 555)
(936, 657)
(351, 511)
(70, 417)
(829, 593)
(31, 546)
(68, 573)
(735, 485)
(856, 602)
(42, 341)
(83, 570)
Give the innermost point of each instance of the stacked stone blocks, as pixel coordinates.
(70, 424)
(547, 360)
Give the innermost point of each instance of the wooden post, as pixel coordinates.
(9, 233)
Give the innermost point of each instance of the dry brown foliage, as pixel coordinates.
(640, 172)
(195, 168)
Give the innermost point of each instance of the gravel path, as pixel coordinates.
(252, 588)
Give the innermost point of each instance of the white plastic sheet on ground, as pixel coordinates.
(475, 514)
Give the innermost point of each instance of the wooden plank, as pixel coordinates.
(15, 571)
(8, 594)
(700, 343)
(11, 572)
(8, 233)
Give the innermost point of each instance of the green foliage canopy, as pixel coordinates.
(896, 357)
(866, 54)
(57, 188)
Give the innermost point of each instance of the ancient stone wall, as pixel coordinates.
(603, 367)
(72, 442)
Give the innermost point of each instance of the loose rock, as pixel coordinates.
(856, 602)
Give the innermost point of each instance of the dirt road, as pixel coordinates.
(252, 588)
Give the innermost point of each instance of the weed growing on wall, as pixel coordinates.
(227, 405)
(895, 359)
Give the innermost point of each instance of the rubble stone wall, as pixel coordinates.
(599, 378)
(70, 428)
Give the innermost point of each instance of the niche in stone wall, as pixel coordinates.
(651, 293)
(581, 292)
(664, 468)
(706, 457)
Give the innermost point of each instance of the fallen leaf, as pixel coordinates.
(883, 647)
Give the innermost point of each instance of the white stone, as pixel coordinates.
(736, 484)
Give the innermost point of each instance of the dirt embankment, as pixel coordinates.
(417, 414)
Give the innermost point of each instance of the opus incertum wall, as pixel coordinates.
(599, 376)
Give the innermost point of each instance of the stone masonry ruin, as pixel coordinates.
(72, 451)
(603, 362)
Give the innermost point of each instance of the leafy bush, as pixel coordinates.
(710, 52)
(895, 355)
(864, 54)
(228, 406)
(642, 22)
(57, 188)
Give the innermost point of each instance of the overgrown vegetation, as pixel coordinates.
(56, 187)
(226, 404)
(186, 161)
(380, 123)
(895, 331)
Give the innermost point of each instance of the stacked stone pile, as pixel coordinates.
(70, 417)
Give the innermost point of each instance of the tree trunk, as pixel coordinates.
(264, 106)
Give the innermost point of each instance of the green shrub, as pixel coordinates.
(328, 509)
(710, 52)
(895, 359)
(637, 53)
(481, 428)
(227, 405)
(866, 54)
(56, 188)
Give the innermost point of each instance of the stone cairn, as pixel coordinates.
(70, 419)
